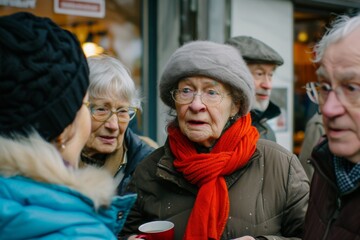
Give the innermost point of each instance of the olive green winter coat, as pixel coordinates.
(268, 197)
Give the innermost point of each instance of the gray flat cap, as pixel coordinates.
(255, 51)
(217, 61)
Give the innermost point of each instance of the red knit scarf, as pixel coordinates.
(232, 151)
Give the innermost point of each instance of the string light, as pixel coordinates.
(302, 36)
(89, 47)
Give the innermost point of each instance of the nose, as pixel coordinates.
(332, 107)
(112, 122)
(197, 104)
(266, 82)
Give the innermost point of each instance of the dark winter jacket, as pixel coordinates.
(259, 120)
(137, 150)
(330, 215)
(268, 196)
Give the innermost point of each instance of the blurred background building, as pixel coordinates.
(144, 33)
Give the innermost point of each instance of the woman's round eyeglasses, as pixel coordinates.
(103, 113)
(186, 96)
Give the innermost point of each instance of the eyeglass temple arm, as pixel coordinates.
(311, 90)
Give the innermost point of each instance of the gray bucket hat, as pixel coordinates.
(217, 61)
(255, 51)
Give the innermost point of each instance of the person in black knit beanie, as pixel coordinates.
(44, 124)
(44, 76)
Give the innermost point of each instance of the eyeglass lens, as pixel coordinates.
(102, 114)
(208, 98)
(347, 94)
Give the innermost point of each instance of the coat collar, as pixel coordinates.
(39, 160)
(167, 171)
(322, 160)
(271, 112)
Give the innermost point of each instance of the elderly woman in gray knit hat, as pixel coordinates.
(214, 178)
(44, 124)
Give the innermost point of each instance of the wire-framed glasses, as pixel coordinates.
(348, 93)
(103, 113)
(209, 97)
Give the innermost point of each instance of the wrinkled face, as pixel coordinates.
(106, 136)
(262, 74)
(201, 123)
(341, 67)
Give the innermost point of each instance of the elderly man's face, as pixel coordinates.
(262, 74)
(203, 123)
(340, 67)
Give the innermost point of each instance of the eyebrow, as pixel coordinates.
(320, 72)
(107, 103)
(207, 82)
(261, 66)
(347, 75)
(342, 76)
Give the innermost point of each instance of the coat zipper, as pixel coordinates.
(333, 217)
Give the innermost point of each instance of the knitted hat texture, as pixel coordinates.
(209, 59)
(43, 76)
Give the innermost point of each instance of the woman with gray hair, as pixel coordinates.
(114, 102)
(214, 178)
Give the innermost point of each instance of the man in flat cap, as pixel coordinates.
(262, 61)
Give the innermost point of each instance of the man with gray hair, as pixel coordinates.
(262, 61)
(334, 209)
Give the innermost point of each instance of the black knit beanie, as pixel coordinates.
(43, 76)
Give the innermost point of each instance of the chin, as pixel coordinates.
(202, 141)
(261, 106)
(107, 150)
(198, 140)
(342, 150)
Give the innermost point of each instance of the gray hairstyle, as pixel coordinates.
(341, 27)
(110, 78)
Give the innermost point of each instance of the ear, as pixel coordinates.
(235, 108)
(61, 141)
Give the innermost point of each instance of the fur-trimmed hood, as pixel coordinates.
(39, 160)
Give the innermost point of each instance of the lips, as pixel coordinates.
(262, 96)
(334, 129)
(332, 126)
(195, 122)
(336, 132)
(107, 139)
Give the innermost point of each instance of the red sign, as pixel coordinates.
(87, 8)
